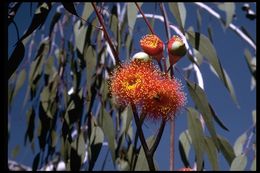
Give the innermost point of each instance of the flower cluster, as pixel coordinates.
(139, 82)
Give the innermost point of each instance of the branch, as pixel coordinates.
(100, 19)
(158, 137)
(147, 23)
(231, 26)
(148, 153)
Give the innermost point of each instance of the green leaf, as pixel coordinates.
(229, 9)
(179, 11)
(90, 58)
(197, 136)
(251, 62)
(36, 161)
(15, 59)
(239, 144)
(204, 46)
(54, 20)
(20, 80)
(220, 123)
(80, 32)
(96, 140)
(87, 11)
(70, 7)
(200, 100)
(199, 20)
(126, 118)
(226, 149)
(79, 145)
(54, 138)
(131, 15)
(109, 131)
(15, 151)
(30, 128)
(114, 21)
(253, 166)
(212, 153)
(184, 147)
(239, 163)
(141, 163)
(254, 116)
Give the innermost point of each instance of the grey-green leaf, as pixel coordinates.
(87, 11)
(80, 35)
(239, 144)
(196, 133)
(254, 116)
(239, 163)
(179, 11)
(131, 15)
(212, 153)
(253, 166)
(226, 149)
(184, 146)
(205, 47)
(109, 132)
(200, 99)
(251, 62)
(229, 9)
(20, 80)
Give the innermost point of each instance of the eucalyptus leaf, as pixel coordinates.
(211, 151)
(87, 11)
(239, 144)
(226, 149)
(20, 81)
(229, 8)
(205, 47)
(197, 136)
(131, 15)
(254, 116)
(185, 143)
(239, 163)
(179, 11)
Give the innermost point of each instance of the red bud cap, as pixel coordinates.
(153, 46)
(176, 49)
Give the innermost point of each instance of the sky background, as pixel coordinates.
(230, 49)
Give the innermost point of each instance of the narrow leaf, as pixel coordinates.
(205, 47)
(54, 20)
(36, 161)
(239, 144)
(184, 147)
(15, 151)
(251, 62)
(200, 100)
(15, 59)
(38, 19)
(196, 133)
(229, 9)
(179, 11)
(239, 163)
(254, 116)
(131, 15)
(70, 7)
(212, 153)
(253, 166)
(216, 118)
(80, 32)
(226, 149)
(20, 80)
(87, 11)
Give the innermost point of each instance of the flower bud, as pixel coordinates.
(176, 49)
(142, 56)
(153, 46)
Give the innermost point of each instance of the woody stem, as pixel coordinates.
(100, 19)
(148, 153)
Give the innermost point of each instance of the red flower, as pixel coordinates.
(165, 98)
(152, 45)
(141, 83)
(128, 82)
(176, 49)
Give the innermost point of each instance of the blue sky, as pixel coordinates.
(230, 49)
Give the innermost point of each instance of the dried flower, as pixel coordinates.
(153, 46)
(176, 49)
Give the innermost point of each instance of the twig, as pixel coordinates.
(172, 131)
(100, 19)
(147, 152)
(147, 23)
(158, 137)
(231, 26)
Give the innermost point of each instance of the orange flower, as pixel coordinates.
(185, 169)
(152, 45)
(128, 82)
(176, 49)
(165, 98)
